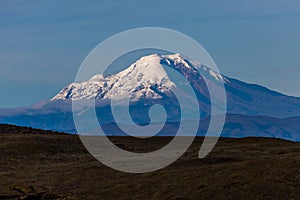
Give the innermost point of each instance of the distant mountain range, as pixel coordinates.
(252, 110)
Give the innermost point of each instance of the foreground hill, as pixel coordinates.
(36, 164)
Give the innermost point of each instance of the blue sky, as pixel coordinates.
(42, 43)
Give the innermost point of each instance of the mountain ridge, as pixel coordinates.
(147, 88)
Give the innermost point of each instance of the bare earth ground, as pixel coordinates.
(37, 164)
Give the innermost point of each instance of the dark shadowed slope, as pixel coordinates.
(43, 165)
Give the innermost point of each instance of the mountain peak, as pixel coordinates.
(146, 78)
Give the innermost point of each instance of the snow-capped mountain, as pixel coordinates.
(137, 80)
(146, 78)
(147, 81)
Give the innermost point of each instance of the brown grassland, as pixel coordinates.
(36, 164)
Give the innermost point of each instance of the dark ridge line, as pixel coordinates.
(14, 129)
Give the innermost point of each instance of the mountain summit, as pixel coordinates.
(146, 78)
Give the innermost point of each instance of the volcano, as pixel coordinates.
(252, 110)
